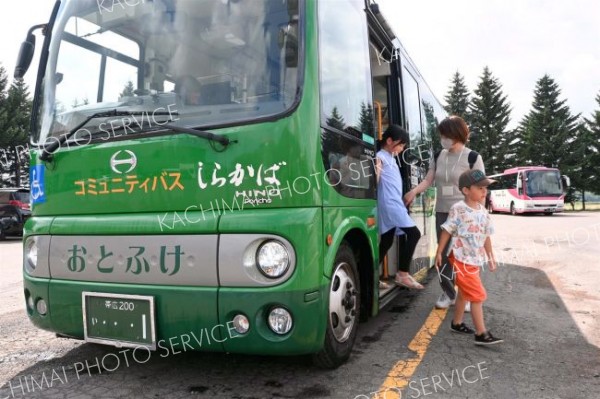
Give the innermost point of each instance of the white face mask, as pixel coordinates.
(446, 142)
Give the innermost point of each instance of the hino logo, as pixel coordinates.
(131, 160)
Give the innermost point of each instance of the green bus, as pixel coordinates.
(202, 173)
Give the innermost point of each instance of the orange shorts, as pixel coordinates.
(468, 281)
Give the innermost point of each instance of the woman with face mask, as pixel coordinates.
(444, 171)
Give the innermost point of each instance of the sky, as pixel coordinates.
(18, 17)
(519, 40)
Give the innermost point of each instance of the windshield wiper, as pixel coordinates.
(199, 133)
(158, 130)
(51, 148)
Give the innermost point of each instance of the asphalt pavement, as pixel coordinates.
(544, 301)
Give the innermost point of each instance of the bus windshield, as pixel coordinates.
(543, 183)
(203, 62)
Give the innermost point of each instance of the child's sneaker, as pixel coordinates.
(444, 301)
(461, 328)
(487, 339)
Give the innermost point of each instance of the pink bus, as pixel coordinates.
(528, 189)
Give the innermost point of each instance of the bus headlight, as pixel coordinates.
(29, 301)
(241, 324)
(272, 259)
(31, 253)
(280, 321)
(41, 307)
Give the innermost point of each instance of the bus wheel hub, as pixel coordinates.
(342, 302)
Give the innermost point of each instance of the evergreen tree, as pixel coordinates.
(336, 120)
(19, 104)
(127, 90)
(15, 111)
(571, 197)
(15, 133)
(366, 119)
(489, 115)
(509, 154)
(4, 152)
(594, 121)
(431, 123)
(581, 163)
(544, 132)
(457, 97)
(4, 114)
(593, 147)
(3, 84)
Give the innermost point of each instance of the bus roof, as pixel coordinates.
(521, 168)
(384, 26)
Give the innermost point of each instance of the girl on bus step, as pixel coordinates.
(392, 215)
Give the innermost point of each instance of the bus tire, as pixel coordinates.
(548, 213)
(513, 211)
(343, 311)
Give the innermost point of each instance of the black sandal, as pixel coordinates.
(461, 328)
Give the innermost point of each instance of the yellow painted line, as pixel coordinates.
(400, 375)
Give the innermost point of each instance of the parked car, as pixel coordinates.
(14, 211)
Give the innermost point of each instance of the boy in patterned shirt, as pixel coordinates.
(469, 225)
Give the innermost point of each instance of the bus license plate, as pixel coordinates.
(119, 320)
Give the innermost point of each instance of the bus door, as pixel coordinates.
(380, 60)
(388, 109)
(521, 182)
(414, 169)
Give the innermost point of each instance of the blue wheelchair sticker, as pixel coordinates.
(38, 191)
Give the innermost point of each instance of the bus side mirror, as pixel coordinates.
(26, 53)
(25, 56)
(566, 181)
(519, 184)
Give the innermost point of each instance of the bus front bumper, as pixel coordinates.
(192, 318)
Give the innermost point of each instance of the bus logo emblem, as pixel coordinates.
(115, 162)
